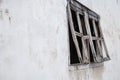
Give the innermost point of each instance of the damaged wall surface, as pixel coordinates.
(34, 41)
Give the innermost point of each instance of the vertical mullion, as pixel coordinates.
(85, 52)
(85, 55)
(96, 34)
(103, 40)
(90, 39)
(73, 34)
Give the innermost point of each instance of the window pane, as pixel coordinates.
(91, 27)
(80, 45)
(73, 52)
(83, 24)
(98, 29)
(75, 22)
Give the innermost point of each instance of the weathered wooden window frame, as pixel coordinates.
(88, 14)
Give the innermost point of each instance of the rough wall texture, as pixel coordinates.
(34, 40)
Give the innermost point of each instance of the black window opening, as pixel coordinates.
(86, 39)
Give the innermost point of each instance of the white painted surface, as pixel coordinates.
(34, 40)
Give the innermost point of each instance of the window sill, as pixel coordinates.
(84, 66)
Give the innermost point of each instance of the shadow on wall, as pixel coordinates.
(87, 74)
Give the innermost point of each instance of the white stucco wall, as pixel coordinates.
(34, 40)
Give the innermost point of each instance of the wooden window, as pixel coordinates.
(87, 44)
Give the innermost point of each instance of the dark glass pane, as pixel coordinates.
(75, 22)
(91, 27)
(73, 52)
(83, 24)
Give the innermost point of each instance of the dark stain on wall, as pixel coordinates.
(117, 1)
(119, 37)
(8, 14)
(0, 1)
(7, 11)
(1, 14)
(94, 73)
(9, 19)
